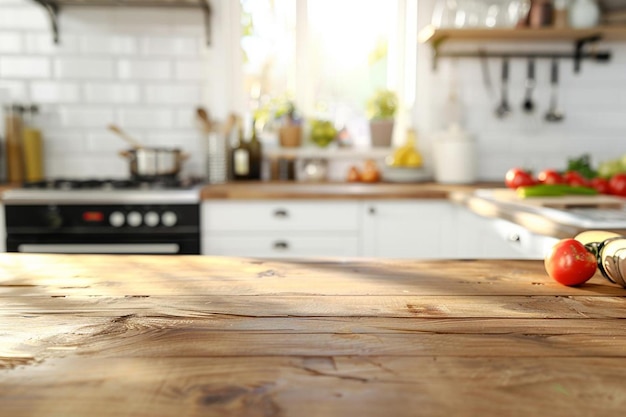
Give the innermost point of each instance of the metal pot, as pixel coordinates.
(149, 163)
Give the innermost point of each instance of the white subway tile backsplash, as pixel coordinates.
(170, 45)
(10, 42)
(54, 92)
(17, 90)
(108, 143)
(63, 142)
(146, 118)
(184, 139)
(144, 70)
(33, 17)
(144, 20)
(20, 67)
(87, 21)
(42, 43)
(83, 68)
(191, 70)
(108, 44)
(87, 117)
(111, 93)
(173, 94)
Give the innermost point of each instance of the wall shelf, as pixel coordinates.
(579, 37)
(53, 8)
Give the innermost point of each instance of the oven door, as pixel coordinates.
(112, 228)
(104, 244)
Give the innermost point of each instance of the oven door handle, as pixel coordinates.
(104, 248)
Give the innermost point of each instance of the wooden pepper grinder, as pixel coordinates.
(13, 143)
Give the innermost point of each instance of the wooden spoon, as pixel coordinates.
(115, 129)
(205, 122)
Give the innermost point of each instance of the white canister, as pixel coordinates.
(455, 157)
(584, 14)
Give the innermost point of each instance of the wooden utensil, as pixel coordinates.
(132, 141)
(203, 118)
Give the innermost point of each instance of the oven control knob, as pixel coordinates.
(134, 219)
(151, 219)
(169, 218)
(54, 218)
(117, 219)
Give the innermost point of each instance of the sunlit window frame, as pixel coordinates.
(401, 70)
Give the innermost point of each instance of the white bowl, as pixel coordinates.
(405, 174)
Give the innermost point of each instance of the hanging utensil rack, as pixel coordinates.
(584, 41)
(53, 9)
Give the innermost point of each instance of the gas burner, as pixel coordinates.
(157, 183)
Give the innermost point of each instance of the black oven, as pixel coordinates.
(103, 220)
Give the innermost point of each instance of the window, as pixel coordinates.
(328, 57)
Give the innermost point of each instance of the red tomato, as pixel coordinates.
(570, 263)
(575, 179)
(517, 177)
(617, 184)
(601, 185)
(549, 176)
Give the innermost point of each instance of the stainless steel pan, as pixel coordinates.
(148, 162)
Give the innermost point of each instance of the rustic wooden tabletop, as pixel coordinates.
(106, 335)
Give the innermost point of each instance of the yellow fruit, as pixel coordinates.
(413, 160)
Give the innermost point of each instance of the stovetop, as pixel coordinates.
(161, 183)
(165, 190)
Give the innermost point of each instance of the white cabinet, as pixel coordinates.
(280, 228)
(415, 229)
(404, 228)
(490, 238)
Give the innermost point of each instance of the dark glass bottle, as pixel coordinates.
(240, 157)
(256, 154)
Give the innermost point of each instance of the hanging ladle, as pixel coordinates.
(553, 114)
(529, 105)
(503, 108)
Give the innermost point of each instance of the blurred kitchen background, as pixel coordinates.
(148, 69)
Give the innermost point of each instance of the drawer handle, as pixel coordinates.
(281, 245)
(281, 213)
(515, 238)
(372, 210)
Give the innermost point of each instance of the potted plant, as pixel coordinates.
(381, 109)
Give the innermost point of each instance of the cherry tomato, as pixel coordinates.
(570, 263)
(617, 184)
(550, 176)
(517, 177)
(575, 179)
(601, 185)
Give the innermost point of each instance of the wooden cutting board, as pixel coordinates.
(561, 202)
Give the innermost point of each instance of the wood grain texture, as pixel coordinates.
(139, 335)
(332, 190)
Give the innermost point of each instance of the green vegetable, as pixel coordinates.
(553, 190)
(582, 165)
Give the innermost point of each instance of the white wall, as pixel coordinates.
(147, 70)
(143, 69)
(593, 101)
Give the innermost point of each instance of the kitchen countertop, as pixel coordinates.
(533, 218)
(106, 335)
(332, 190)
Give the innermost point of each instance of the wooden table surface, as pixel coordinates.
(129, 335)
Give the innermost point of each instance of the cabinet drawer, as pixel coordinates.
(280, 215)
(281, 246)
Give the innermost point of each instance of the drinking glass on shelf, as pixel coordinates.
(444, 14)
